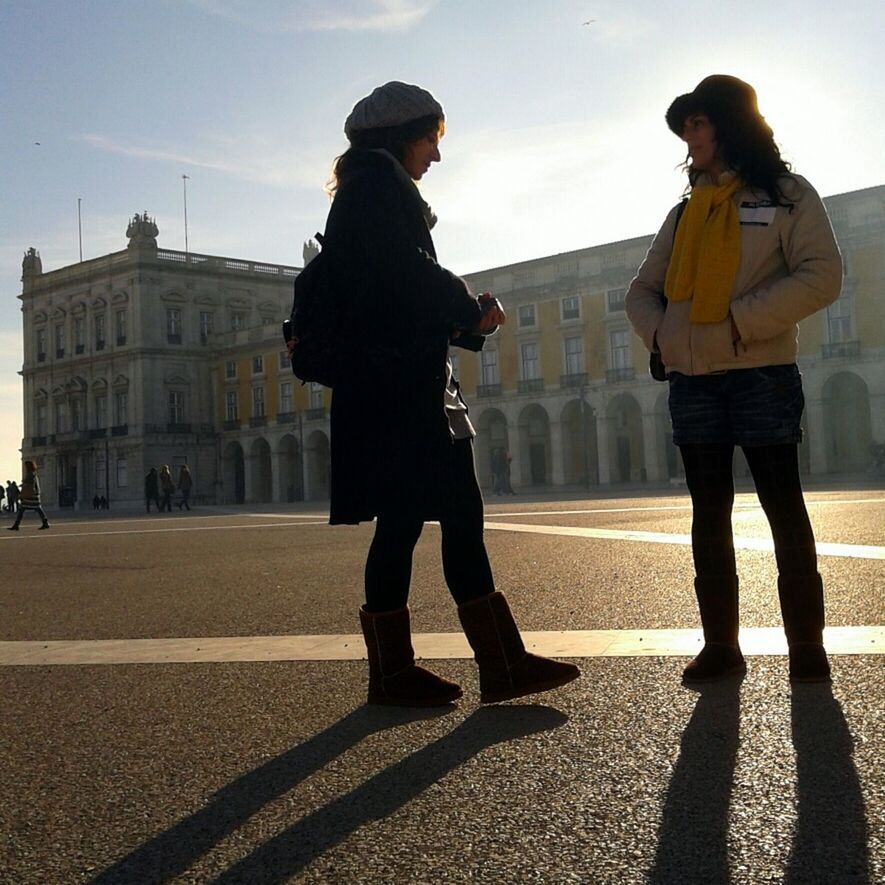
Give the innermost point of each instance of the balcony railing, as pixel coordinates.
(576, 379)
(258, 421)
(38, 441)
(613, 376)
(120, 430)
(488, 390)
(287, 417)
(315, 414)
(530, 385)
(121, 340)
(98, 433)
(80, 348)
(172, 338)
(841, 349)
(177, 427)
(232, 425)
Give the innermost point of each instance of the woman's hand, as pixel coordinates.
(492, 314)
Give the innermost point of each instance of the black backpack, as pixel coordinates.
(313, 322)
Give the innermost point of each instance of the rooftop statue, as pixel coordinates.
(142, 231)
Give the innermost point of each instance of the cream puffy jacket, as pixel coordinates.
(790, 268)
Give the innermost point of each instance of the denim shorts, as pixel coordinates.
(743, 407)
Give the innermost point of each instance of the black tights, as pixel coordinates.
(775, 470)
(464, 558)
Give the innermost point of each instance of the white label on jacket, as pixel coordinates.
(761, 213)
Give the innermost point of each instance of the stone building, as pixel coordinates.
(151, 356)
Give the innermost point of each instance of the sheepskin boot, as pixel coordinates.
(721, 656)
(394, 677)
(506, 669)
(802, 608)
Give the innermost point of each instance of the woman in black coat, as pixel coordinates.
(402, 450)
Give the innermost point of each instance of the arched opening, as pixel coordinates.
(262, 472)
(291, 470)
(847, 423)
(492, 446)
(233, 474)
(580, 460)
(625, 439)
(534, 445)
(317, 457)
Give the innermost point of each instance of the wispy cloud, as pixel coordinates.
(320, 15)
(247, 158)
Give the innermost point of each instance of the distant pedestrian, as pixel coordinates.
(152, 489)
(12, 496)
(718, 297)
(96, 502)
(103, 503)
(185, 484)
(30, 497)
(508, 489)
(2, 496)
(167, 488)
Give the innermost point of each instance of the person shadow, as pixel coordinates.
(693, 835)
(173, 851)
(830, 841)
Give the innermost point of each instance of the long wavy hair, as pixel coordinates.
(746, 144)
(395, 139)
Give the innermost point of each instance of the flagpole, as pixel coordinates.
(184, 179)
(80, 229)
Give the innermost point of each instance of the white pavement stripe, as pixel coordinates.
(854, 551)
(350, 647)
(175, 528)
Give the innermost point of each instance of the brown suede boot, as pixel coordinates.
(394, 677)
(506, 669)
(721, 655)
(802, 608)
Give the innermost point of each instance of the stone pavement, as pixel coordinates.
(257, 761)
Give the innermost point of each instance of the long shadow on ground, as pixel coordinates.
(172, 852)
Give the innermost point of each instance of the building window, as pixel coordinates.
(526, 316)
(574, 355)
(488, 362)
(41, 420)
(257, 365)
(571, 308)
(614, 259)
(258, 402)
(237, 320)
(120, 323)
(61, 417)
(524, 280)
(839, 321)
(59, 341)
(206, 324)
(529, 353)
(230, 369)
(121, 407)
(284, 360)
(619, 344)
(614, 300)
(99, 332)
(101, 411)
(76, 415)
(122, 472)
(41, 345)
(176, 407)
(173, 325)
(100, 469)
(79, 335)
(316, 395)
(231, 407)
(286, 397)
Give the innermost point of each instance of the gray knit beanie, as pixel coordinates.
(392, 104)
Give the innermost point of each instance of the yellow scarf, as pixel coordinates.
(706, 252)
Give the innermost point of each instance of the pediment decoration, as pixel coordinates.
(59, 313)
(58, 392)
(270, 307)
(100, 384)
(120, 298)
(121, 381)
(175, 297)
(77, 385)
(79, 309)
(41, 395)
(40, 316)
(99, 303)
(238, 303)
(176, 381)
(207, 299)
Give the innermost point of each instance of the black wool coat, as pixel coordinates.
(391, 445)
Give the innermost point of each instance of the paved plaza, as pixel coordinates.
(181, 700)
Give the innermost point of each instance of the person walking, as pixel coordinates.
(152, 489)
(167, 488)
(401, 439)
(12, 496)
(30, 498)
(185, 483)
(719, 295)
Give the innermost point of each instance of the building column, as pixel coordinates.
(557, 465)
(653, 472)
(278, 493)
(516, 441)
(247, 479)
(877, 417)
(814, 426)
(81, 481)
(602, 428)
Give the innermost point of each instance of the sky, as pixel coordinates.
(555, 120)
